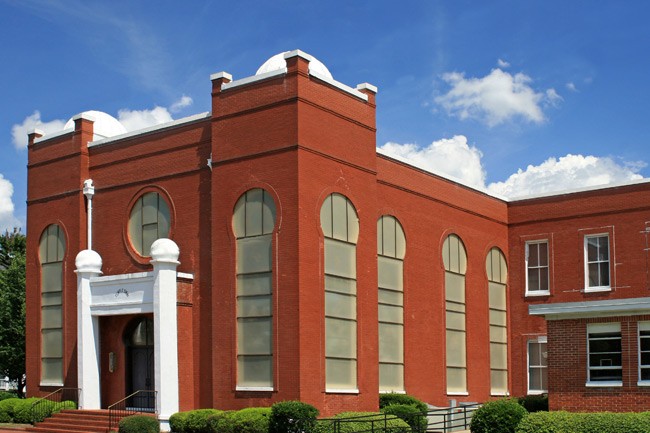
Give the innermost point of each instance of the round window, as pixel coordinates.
(149, 220)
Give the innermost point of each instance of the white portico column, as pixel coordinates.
(88, 264)
(164, 254)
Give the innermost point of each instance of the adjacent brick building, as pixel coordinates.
(294, 262)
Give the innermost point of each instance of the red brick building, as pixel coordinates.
(294, 262)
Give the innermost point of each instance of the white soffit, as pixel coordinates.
(587, 309)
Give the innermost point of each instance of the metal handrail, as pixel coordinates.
(53, 402)
(120, 409)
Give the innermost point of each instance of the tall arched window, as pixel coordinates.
(51, 253)
(149, 220)
(497, 273)
(454, 258)
(391, 248)
(340, 226)
(253, 225)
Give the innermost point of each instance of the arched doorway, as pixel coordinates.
(138, 340)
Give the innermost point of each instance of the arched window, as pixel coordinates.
(454, 258)
(497, 272)
(149, 220)
(340, 226)
(391, 248)
(253, 225)
(51, 253)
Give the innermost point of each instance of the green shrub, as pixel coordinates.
(498, 416)
(291, 417)
(139, 424)
(201, 420)
(250, 420)
(534, 403)
(602, 422)
(177, 422)
(7, 407)
(394, 398)
(4, 395)
(409, 413)
(23, 411)
(361, 422)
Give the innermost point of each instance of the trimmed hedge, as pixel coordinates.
(409, 413)
(139, 424)
(394, 398)
(177, 421)
(598, 422)
(250, 420)
(7, 409)
(534, 403)
(201, 420)
(498, 416)
(4, 395)
(292, 417)
(371, 421)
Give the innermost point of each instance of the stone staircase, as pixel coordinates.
(73, 421)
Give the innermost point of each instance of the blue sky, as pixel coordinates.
(516, 97)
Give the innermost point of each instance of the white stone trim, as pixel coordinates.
(604, 308)
(222, 74)
(254, 79)
(255, 388)
(341, 391)
(53, 135)
(339, 85)
(367, 86)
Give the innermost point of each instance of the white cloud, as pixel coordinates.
(450, 157)
(177, 106)
(567, 172)
(7, 218)
(19, 131)
(571, 86)
(494, 99)
(503, 64)
(138, 119)
(553, 97)
(455, 159)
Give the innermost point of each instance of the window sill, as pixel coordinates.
(341, 391)
(611, 384)
(393, 391)
(499, 394)
(597, 289)
(537, 392)
(458, 393)
(254, 388)
(538, 293)
(57, 384)
(643, 383)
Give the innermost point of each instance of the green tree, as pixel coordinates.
(12, 306)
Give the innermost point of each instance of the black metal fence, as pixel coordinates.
(62, 398)
(142, 401)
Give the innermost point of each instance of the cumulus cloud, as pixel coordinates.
(19, 131)
(454, 158)
(494, 99)
(138, 119)
(503, 64)
(450, 157)
(571, 86)
(184, 102)
(7, 218)
(567, 172)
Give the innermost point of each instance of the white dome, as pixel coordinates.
(88, 261)
(278, 62)
(105, 124)
(165, 250)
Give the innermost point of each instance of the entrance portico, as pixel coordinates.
(142, 293)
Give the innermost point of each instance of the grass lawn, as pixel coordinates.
(10, 425)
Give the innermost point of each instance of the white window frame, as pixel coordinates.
(548, 267)
(642, 326)
(608, 287)
(603, 328)
(539, 340)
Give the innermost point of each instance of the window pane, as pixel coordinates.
(498, 334)
(254, 336)
(254, 212)
(391, 377)
(255, 306)
(389, 313)
(603, 248)
(326, 217)
(52, 370)
(341, 373)
(391, 343)
(456, 379)
(340, 258)
(339, 217)
(51, 317)
(52, 243)
(339, 305)
(239, 217)
(498, 356)
(456, 349)
(543, 279)
(543, 254)
(52, 277)
(150, 208)
(255, 371)
(51, 343)
(389, 236)
(254, 284)
(254, 254)
(497, 296)
(353, 224)
(164, 219)
(533, 254)
(455, 287)
(400, 242)
(149, 236)
(390, 297)
(455, 320)
(135, 226)
(390, 273)
(499, 380)
(533, 279)
(51, 298)
(340, 285)
(604, 274)
(341, 338)
(497, 317)
(268, 214)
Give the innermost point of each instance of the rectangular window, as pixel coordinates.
(604, 354)
(537, 268)
(597, 262)
(644, 352)
(537, 366)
